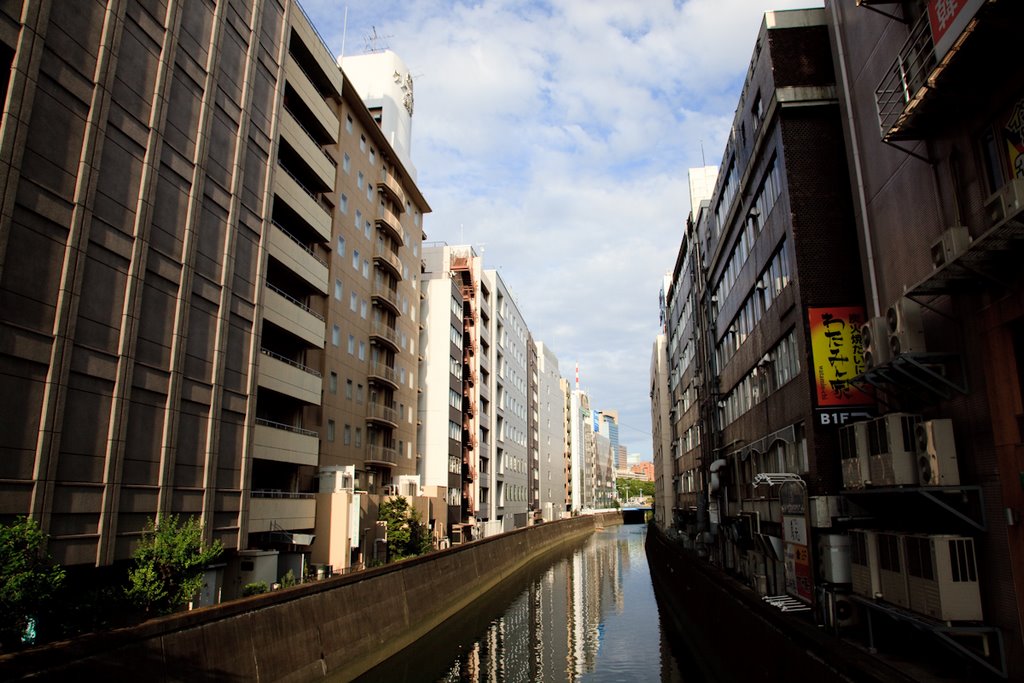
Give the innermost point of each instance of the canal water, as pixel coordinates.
(586, 614)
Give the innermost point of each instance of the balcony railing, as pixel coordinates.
(389, 221)
(386, 294)
(381, 455)
(390, 259)
(389, 184)
(387, 333)
(286, 427)
(381, 411)
(312, 138)
(906, 82)
(380, 371)
(289, 361)
(283, 495)
(295, 301)
(315, 196)
(302, 245)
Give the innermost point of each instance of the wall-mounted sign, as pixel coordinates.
(948, 19)
(837, 353)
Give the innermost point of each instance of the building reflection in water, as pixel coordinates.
(557, 626)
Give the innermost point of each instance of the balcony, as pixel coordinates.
(383, 294)
(380, 332)
(312, 98)
(382, 373)
(270, 510)
(303, 201)
(381, 456)
(303, 142)
(287, 377)
(285, 443)
(288, 313)
(382, 414)
(298, 257)
(939, 68)
(389, 222)
(389, 260)
(390, 186)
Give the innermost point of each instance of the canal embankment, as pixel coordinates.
(736, 636)
(339, 627)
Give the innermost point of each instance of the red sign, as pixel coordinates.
(948, 19)
(837, 355)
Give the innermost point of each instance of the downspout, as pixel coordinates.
(857, 171)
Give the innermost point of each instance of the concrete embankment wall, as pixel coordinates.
(733, 635)
(339, 627)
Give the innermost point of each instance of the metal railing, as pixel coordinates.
(315, 196)
(378, 369)
(285, 495)
(380, 329)
(382, 411)
(289, 361)
(291, 299)
(309, 250)
(381, 454)
(312, 138)
(286, 427)
(390, 257)
(902, 84)
(315, 32)
(386, 293)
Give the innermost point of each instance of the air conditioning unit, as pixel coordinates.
(834, 551)
(854, 455)
(953, 242)
(874, 337)
(864, 563)
(1007, 202)
(905, 328)
(337, 478)
(892, 449)
(942, 577)
(892, 576)
(840, 611)
(936, 453)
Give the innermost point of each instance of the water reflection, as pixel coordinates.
(588, 614)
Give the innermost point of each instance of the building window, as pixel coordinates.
(330, 430)
(369, 191)
(362, 309)
(341, 245)
(359, 180)
(366, 269)
(362, 350)
(355, 259)
(359, 437)
(344, 203)
(351, 343)
(348, 389)
(338, 289)
(373, 156)
(346, 435)
(333, 385)
(359, 218)
(353, 301)
(346, 163)
(362, 145)
(336, 335)
(348, 123)
(359, 393)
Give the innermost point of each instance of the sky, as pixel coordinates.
(555, 137)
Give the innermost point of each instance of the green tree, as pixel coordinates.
(407, 535)
(28, 579)
(169, 564)
(633, 488)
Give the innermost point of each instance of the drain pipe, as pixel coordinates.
(855, 154)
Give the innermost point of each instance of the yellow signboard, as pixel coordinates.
(837, 354)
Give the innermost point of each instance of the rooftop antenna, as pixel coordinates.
(373, 39)
(702, 162)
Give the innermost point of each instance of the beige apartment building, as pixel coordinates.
(209, 255)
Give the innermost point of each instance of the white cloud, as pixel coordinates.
(558, 134)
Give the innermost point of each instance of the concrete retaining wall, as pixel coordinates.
(340, 627)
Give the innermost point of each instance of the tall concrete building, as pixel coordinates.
(938, 197)
(551, 427)
(661, 430)
(189, 309)
(509, 478)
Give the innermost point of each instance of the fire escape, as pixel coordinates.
(462, 270)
